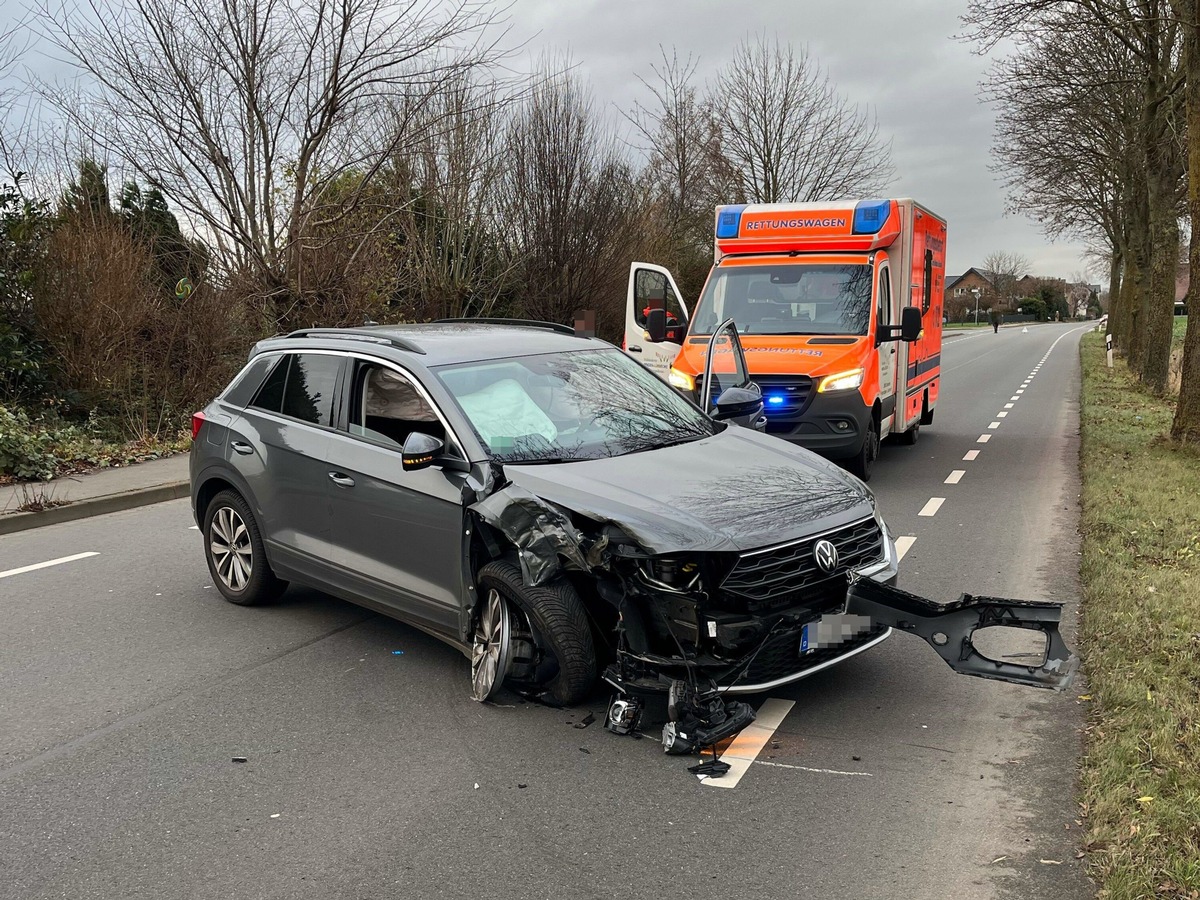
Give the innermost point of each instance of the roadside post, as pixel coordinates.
(1108, 349)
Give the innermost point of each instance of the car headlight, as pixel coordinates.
(842, 381)
(681, 380)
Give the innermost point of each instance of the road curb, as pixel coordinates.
(95, 506)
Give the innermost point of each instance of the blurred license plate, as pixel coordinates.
(832, 631)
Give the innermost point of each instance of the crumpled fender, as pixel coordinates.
(542, 533)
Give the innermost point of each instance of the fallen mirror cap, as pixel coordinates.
(948, 629)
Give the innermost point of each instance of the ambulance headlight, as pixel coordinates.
(842, 381)
(681, 380)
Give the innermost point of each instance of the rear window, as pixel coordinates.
(302, 386)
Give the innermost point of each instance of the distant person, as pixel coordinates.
(994, 315)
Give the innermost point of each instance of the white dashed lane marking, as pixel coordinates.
(971, 454)
(956, 476)
(1002, 414)
(994, 425)
(931, 508)
(1009, 405)
(983, 439)
(903, 545)
(47, 564)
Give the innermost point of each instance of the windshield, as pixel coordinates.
(788, 298)
(556, 407)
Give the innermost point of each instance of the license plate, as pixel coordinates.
(832, 630)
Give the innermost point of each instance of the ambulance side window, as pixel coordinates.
(927, 296)
(883, 303)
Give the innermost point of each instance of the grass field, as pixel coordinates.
(1140, 638)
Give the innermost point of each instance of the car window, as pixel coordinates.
(270, 395)
(245, 386)
(651, 289)
(302, 385)
(386, 407)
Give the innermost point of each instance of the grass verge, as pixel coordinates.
(1140, 638)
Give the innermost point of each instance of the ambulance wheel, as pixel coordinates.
(863, 461)
(910, 436)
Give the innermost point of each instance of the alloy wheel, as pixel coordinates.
(232, 552)
(491, 651)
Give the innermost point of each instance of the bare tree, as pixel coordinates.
(569, 220)
(1186, 425)
(1005, 269)
(1151, 36)
(789, 134)
(252, 114)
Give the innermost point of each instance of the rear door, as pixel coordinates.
(724, 368)
(278, 445)
(652, 287)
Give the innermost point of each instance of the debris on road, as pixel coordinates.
(585, 721)
(239, 759)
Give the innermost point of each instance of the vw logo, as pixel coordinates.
(826, 555)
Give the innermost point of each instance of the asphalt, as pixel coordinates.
(130, 686)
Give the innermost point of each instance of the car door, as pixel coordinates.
(725, 368)
(397, 536)
(278, 446)
(652, 287)
(886, 314)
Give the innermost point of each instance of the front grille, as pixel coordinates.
(790, 570)
(780, 656)
(791, 391)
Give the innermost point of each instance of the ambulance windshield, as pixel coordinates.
(787, 298)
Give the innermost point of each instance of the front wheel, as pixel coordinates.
(863, 461)
(559, 626)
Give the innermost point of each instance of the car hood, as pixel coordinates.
(737, 490)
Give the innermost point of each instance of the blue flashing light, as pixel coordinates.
(871, 215)
(775, 399)
(729, 220)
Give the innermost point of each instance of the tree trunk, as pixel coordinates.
(1114, 288)
(1133, 288)
(1186, 426)
(1159, 301)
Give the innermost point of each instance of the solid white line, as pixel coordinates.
(763, 762)
(1002, 414)
(983, 439)
(1009, 405)
(971, 454)
(47, 564)
(931, 508)
(903, 545)
(955, 477)
(750, 741)
(994, 425)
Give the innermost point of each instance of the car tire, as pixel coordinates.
(560, 627)
(241, 573)
(909, 437)
(863, 461)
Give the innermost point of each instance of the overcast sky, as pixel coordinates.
(898, 57)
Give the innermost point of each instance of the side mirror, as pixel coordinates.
(910, 324)
(737, 401)
(420, 451)
(656, 325)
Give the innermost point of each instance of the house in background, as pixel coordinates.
(959, 298)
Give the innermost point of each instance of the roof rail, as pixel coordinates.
(351, 334)
(525, 323)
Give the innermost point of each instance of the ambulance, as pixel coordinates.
(838, 311)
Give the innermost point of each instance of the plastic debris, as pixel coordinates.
(477, 785)
(522, 786)
(239, 759)
(397, 653)
(275, 815)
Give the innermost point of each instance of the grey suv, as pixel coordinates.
(551, 508)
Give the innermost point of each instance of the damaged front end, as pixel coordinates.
(700, 625)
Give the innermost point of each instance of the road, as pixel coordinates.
(129, 686)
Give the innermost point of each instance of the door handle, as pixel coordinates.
(341, 480)
(241, 447)
(635, 349)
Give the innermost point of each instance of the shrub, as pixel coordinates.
(26, 450)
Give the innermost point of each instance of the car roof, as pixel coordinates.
(441, 343)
